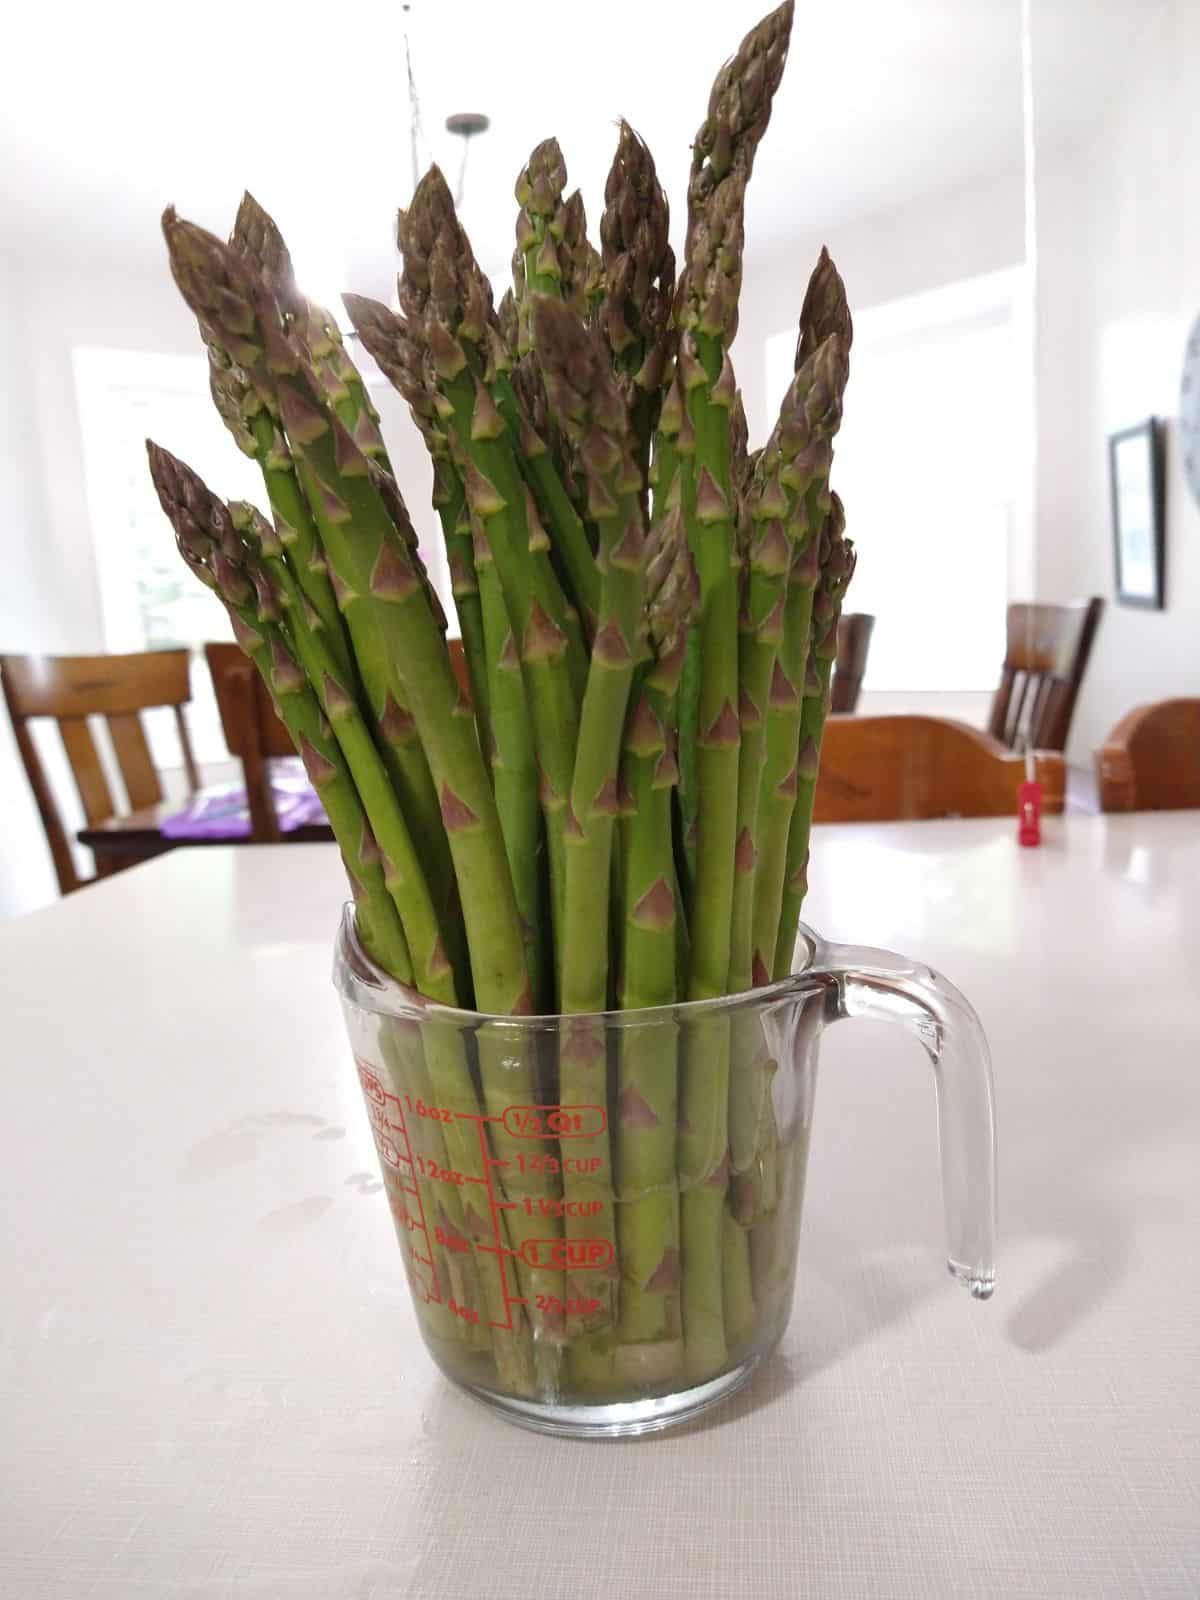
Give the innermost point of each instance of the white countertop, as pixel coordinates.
(211, 1382)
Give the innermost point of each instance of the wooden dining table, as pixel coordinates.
(211, 1380)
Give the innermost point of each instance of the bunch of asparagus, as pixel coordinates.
(609, 806)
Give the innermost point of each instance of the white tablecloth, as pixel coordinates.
(210, 1379)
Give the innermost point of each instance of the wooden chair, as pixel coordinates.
(252, 729)
(69, 689)
(853, 643)
(1151, 759)
(1044, 662)
(892, 769)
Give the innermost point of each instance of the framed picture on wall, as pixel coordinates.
(1135, 459)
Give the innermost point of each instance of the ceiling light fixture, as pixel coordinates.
(465, 124)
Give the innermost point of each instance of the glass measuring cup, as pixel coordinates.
(599, 1215)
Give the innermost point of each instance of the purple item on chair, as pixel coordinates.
(221, 810)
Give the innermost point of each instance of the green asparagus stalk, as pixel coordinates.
(587, 407)
(250, 411)
(722, 160)
(209, 544)
(638, 285)
(553, 259)
(541, 260)
(399, 357)
(383, 598)
(443, 291)
(514, 768)
(256, 236)
(837, 568)
(403, 869)
(805, 443)
(493, 664)
(650, 1324)
(805, 479)
(447, 1252)
(446, 296)
(789, 475)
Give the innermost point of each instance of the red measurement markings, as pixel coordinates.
(454, 1242)
(395, 1151)
(576, 1306)
(547, 1206)
(555, 1122)
(567, 1255)
(501, 1250)
(585, 1166)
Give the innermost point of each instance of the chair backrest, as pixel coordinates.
(69, 689)
(892, 769)
(252, 729)
(853, 643)
(1044, 661)
(1151, 759)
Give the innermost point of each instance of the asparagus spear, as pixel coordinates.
(446, 298)
(256, 236)
(382, 597)
(637, 286)
(837, 568)
(209, 544)
(787, 501)
(492, 659)
(250, 411)
(825, 334)
(514, 768)
(587, 406)
(552, 258)
(825, 311)
(399, 357)
(768, 531)
(647, 1093)
(722, 160)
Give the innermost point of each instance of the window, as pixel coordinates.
(149, 600)
(929, 464)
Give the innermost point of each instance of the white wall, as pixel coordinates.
(28, 567)
(961, 232)
(1118, 286)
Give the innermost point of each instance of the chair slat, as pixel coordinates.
(185, 745)
(43, 795)
(853, 644)
(1050, 645)
(81, 686)
(94, 793)
(133, 758)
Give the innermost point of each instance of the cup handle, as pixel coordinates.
(890, 988)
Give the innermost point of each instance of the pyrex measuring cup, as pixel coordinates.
(599, 1215)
